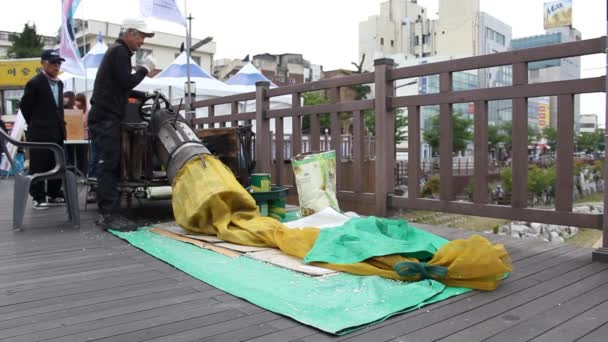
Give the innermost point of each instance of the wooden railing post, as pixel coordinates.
(263, 138)
(413, 169)
(385, 135)
(446, 144)
(480, 165)
(519, 134)
(601, 254)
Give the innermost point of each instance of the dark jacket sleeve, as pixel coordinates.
(27, 101)
(122, 71)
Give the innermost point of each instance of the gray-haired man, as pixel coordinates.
(113, 86)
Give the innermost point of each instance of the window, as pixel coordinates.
(425, 39)
(417, 41)
(381, 41)
(392, 43)
(197, 59)
(489, 33)
(84, 51)
(500, 38)
(426, 54)
(495, 36)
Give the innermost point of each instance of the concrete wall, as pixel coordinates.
(457, 27)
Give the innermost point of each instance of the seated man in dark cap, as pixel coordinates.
(42, 108)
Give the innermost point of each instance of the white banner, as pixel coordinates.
(163, 10)
(16, 133)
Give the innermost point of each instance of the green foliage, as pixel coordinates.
(598, 167)
(601, 143)
(540, 179)
(495, 137)
(550, 134)
(312, 99)
(495, 229)
(579, 165)
(461, 137)
(587, 141)
(369, 116)
(27, 44)
(469, 190)
(507, 129)
(506, 175)
(431, 187)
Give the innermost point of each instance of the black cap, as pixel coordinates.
(51, 56)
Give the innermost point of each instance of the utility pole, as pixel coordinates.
(189, 114)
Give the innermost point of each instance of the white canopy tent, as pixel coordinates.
(244, 82)
(172, 82)
(91, 62)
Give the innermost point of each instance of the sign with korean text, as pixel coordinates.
(558, 13)
(543, 113)
(16, 72)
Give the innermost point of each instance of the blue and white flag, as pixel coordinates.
(163, 10)
(67, 47)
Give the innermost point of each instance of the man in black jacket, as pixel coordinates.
(42, 108)
(113, 86)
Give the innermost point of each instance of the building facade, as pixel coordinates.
(164, 46)
(404, 33)
(284, 69)
(588, 123)
(402, 27)
(553, 70)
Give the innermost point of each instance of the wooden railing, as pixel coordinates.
(384, 105)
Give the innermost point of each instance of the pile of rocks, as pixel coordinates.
(545, 232)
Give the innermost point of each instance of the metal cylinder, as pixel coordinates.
(176, 144)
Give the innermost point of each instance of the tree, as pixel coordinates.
(587, 141)
(601, 143)
(26, 44)
(495, 137)
(313, 99)
(461, 132)
(550, 134)
(507, 129)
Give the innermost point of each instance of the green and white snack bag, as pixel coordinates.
(315, 175)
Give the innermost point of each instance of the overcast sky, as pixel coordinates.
(324, 31)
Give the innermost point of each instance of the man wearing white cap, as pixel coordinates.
(113, 86)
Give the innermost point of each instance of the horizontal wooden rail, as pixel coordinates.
(350, 106)
(225, 118)
(582, 86)
(224, 100)
(346, 81)
(499, 211)
(572, 49)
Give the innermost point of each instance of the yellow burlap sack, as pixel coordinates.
(207, 199)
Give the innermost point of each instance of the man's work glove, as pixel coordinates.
(149, 63)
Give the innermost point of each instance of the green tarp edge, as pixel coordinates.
(338, 304)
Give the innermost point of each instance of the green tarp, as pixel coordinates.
(362, 238)
(337, 304)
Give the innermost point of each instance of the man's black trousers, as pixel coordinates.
(105, 132)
